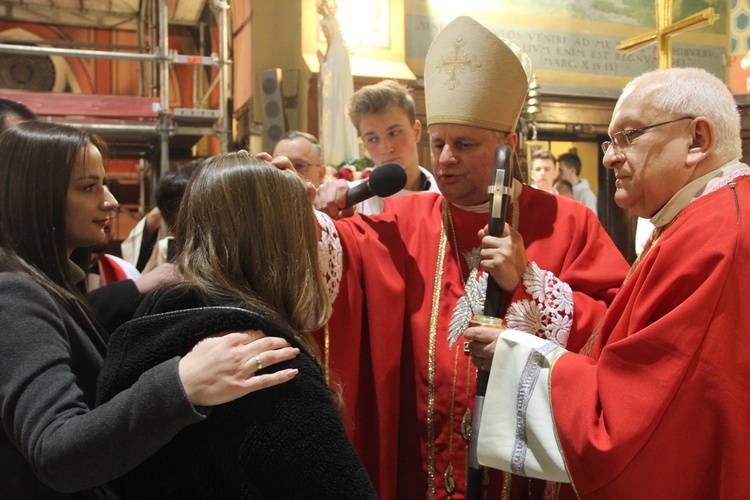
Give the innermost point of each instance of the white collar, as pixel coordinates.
(484, 208)
(699, 187)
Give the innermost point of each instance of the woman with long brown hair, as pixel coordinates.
(54, 440)
(247, 257)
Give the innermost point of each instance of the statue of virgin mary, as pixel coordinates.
(336, 133)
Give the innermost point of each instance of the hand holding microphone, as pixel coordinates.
(335, 197)
(385, 180)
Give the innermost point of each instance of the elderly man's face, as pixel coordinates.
(652, 169)
(306, 162)
(463, 161)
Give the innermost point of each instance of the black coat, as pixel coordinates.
(115, 303)
(286, 441)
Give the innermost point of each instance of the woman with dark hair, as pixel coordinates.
(53, 439)
(247, 257)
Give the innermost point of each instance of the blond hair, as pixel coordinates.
(377, 98)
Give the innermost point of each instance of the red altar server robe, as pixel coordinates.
(408, 395)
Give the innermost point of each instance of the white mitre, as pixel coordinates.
(473, 77)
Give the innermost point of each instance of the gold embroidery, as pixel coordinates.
(447, 222)
(431, 365)
(457, 62)
(450, 485)
(466, 425)
(506, 485)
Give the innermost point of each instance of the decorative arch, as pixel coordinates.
(70, 75)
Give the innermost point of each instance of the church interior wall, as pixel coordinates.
(577, 65)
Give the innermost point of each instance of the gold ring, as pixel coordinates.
(257, 360)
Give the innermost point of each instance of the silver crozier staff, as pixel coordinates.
(494, 304)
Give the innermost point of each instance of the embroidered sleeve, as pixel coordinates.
(329, 254)
(519, 392)
(549, 312)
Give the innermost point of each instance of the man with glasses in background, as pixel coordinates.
(305, 153)
(659, 408)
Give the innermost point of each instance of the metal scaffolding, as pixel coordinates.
(171, 124)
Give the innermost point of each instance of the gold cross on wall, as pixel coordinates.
(665, 30)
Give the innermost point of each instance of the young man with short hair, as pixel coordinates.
(543, 171)
(385, 118)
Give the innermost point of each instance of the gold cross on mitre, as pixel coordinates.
(457, 62)
(665, 30)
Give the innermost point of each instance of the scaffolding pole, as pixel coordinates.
(161, 59)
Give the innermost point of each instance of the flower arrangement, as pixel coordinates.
(354, 169)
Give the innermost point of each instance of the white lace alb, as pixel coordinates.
(329, 254)
(549, 313)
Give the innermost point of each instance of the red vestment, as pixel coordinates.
(406, 393)
(662, 410)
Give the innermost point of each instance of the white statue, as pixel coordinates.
(336, 133)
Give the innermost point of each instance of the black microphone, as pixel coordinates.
(385, 180)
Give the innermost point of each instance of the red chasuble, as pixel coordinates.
(409, 397)
(663, 408)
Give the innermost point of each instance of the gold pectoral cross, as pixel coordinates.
(665, 30)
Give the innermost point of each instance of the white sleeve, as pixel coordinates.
(131, 246)
(517, 432)
(643, 230)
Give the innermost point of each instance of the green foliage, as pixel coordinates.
(359, 163)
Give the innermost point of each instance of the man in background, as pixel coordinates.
(564, 188)
(570, 170)
(150, 243)
(305, 153)
(385, 118)
(543, 171)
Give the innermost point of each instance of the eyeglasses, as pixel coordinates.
(621, 140)
(301, 167)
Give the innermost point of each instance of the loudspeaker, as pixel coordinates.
(273, 108)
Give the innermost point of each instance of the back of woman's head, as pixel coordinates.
(36, 161)
(246, 230)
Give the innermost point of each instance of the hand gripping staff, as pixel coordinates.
(494, 304)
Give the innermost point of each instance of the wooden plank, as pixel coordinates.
(94, 105)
